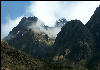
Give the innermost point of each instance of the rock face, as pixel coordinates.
(74, 41)
(31, 36)
(94, 26)
(21, 27)
(29, 41)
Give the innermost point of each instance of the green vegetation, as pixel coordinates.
(75, 37)
(76, 47)
(14, 59)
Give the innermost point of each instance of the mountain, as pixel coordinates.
(14, 59)
(28, 40)
(74, 42)
(33, 37)
(94, 62)
(22, 26)
(94, 27)
(69, 45)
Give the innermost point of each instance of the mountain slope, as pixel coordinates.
(94, 63)
(13, 59)
(33, 37)
(28, 40)
(94, 27)
(74, 42)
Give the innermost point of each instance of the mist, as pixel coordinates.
(39, 27)
(7, 27)
(49, 11)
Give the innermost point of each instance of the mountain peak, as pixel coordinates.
(28, 21)
(76, 38)
(94, 27)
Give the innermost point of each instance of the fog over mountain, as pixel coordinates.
(60, 45)
(50, 11)
(50, 31)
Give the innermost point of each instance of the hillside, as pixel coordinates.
(74, 42)
(28, 40)
(14, 59)
(93, 26)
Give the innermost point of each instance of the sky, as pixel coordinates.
(12, 9)
(47, 11)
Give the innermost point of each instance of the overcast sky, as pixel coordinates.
(46, 11)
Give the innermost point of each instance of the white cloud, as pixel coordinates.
(11, 23)
(49, 11)
(38, 27)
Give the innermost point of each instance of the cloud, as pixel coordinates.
(50, 11)
(11, 23)
(50, 31)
